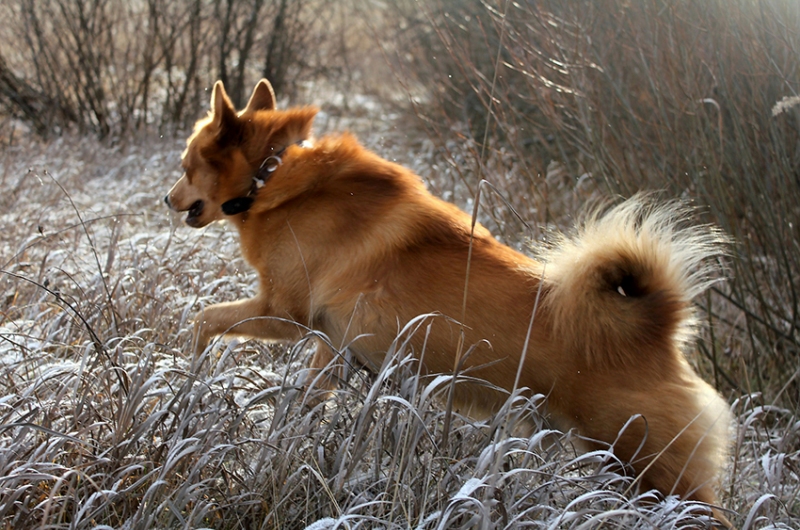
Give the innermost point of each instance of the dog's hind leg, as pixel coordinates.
(326, 370)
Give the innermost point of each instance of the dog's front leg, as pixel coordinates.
(256, 318)
(253, 317)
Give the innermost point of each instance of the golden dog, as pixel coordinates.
(355, 247)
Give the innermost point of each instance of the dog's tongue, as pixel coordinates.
(196, 209)
(194, 212)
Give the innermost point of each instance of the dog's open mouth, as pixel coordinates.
(194, 212)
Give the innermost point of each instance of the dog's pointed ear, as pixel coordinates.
(224, 115)
(263, 97)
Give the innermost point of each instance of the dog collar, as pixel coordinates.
(268, 166)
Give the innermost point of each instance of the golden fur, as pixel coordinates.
(355, 247)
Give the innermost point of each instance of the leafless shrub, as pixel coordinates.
(112, 67)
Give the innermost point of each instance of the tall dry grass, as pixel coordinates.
(558, 103)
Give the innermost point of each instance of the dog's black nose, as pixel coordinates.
(166, 201)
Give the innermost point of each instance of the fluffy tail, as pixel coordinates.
(620, 290)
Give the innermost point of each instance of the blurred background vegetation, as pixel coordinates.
(555, 102)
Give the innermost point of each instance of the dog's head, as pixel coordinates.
(226, 150)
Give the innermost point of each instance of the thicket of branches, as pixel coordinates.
(107, 67)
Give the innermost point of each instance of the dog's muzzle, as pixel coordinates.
(193, 212)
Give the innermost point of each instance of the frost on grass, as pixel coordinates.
(107, 420)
